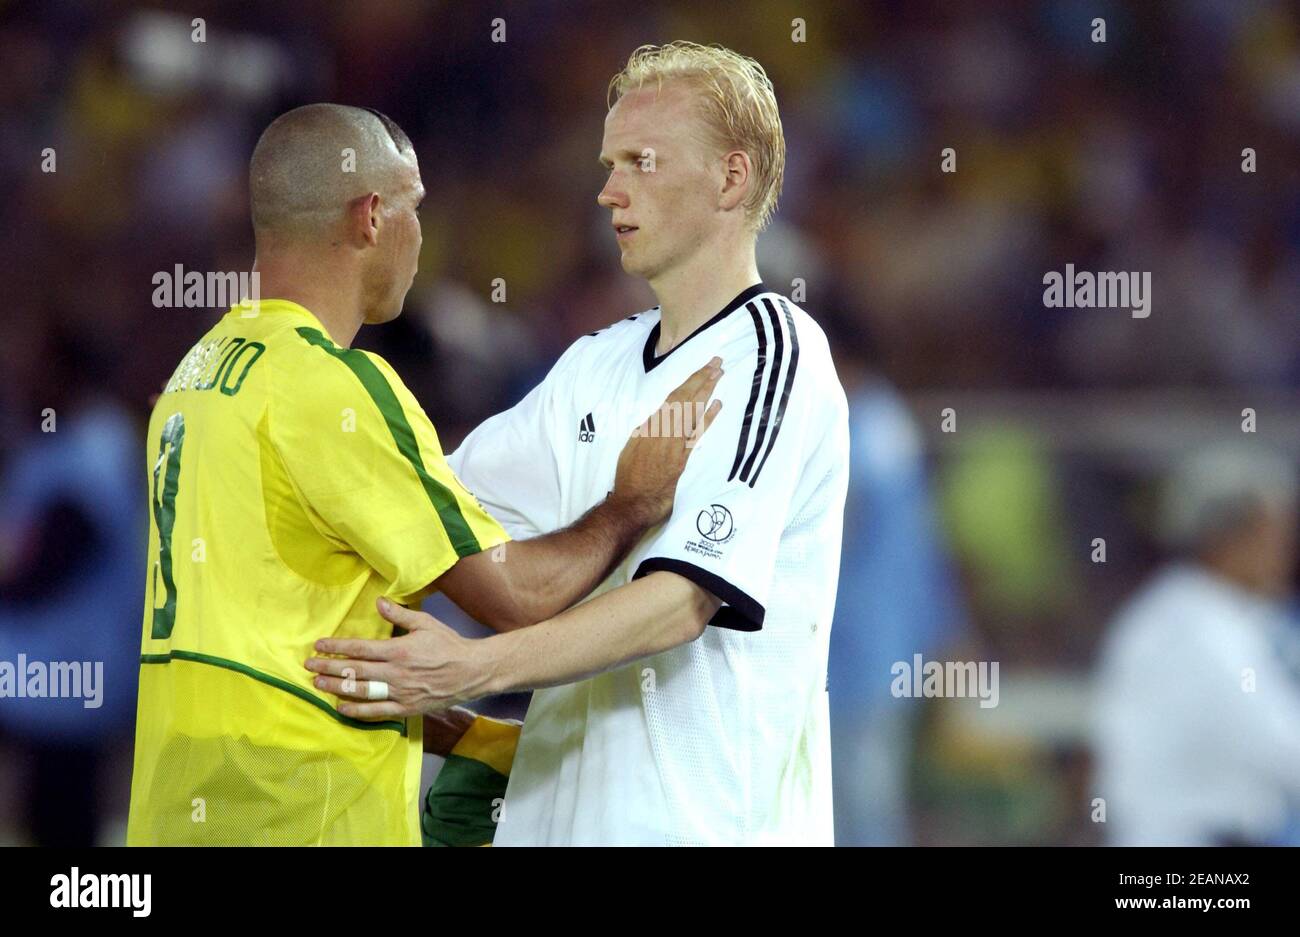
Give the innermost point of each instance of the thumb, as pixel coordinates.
(400, 615)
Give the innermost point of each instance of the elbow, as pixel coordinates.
(503, 621)
(698, 615)
(688, 608)
(511, 613)
(508, 611)
(516, 606)
(693, 630)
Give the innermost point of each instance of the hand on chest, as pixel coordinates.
(598, 418)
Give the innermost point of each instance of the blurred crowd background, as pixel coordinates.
(996, 441)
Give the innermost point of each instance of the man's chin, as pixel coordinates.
(633, 265)
(387, 314)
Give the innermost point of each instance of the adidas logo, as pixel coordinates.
(586, 429)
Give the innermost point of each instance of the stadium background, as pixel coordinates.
(1122, 155)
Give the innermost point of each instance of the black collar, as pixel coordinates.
(648, 354)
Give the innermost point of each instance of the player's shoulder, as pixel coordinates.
(316, 372)
(629, 329)
(309, 360)
(608, 343)
(628, 325)
(775, 321)
(775, 334)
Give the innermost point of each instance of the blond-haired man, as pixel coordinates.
(686, 702)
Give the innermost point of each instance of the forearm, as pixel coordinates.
(650, 615)
(547, 574)
(533, 580)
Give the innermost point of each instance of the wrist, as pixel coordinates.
(635, 513)
(492, 663)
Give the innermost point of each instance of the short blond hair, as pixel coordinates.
(738, 105)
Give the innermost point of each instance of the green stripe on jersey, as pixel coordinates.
(212, 660)
(444, 502)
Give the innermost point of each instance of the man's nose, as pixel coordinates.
(612, 196)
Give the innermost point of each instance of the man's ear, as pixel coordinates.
(363, 218)
(735, 182)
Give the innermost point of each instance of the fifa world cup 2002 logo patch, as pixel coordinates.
(716, 526)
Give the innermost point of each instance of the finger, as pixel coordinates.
(708, 375)
(358, 648)
(701, 391)
(341, 667)
(375, 712)
(346, 687)
(705, 390)
(689, 387)
(403, 617)
(709, 416)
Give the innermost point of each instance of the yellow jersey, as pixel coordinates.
(292, 482)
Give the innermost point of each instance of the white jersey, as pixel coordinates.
(724, 740)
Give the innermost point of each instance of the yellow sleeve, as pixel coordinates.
(363, 454)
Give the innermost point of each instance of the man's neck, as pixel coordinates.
(691, 295)
(330, 298)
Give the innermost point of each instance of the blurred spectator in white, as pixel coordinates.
(1198, 720)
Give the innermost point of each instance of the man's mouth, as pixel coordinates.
(622, 231)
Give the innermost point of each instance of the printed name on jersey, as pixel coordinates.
(212, 362)
(753, 448)
(586, 429)
(717, 527)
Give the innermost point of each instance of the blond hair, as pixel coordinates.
(738, 104)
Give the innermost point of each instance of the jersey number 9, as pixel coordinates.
(166, 470)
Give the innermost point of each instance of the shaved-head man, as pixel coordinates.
(296, 487)
(336, 190)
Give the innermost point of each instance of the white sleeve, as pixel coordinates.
(509, 464)
(734, 499)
